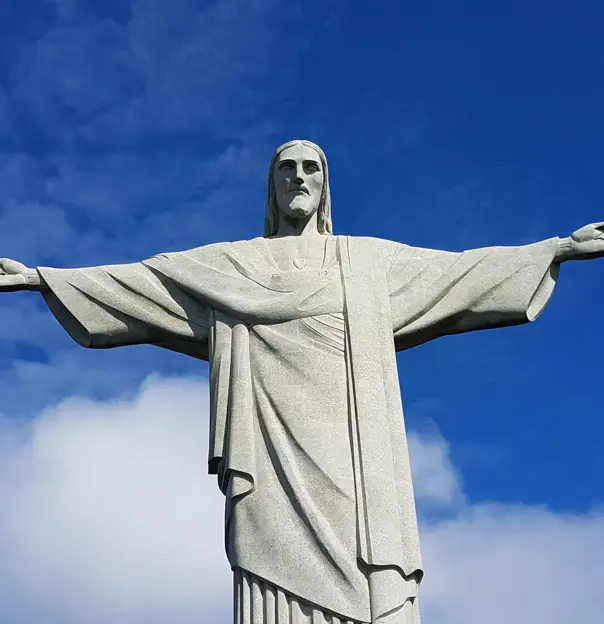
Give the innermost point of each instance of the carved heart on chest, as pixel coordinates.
(299, 263)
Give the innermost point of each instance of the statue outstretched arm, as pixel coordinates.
(436, 293)
(116, 305)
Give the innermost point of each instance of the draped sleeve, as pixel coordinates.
(126, 304)
(436, 293)
(168, 299)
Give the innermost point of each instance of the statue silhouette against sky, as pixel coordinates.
(300, 328)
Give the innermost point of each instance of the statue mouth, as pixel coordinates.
(300, 190)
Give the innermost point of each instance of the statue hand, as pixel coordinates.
(584, 244)
(16, 276)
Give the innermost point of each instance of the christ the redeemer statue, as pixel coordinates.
(301, 328)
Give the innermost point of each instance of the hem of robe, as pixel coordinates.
(256, 601)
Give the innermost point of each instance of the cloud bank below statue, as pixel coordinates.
(108, 515)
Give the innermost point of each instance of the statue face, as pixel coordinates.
(298, 179)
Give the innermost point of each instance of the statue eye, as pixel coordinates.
(284, 166)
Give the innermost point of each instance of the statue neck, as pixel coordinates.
(306, 227)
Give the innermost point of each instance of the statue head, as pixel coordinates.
(298, 187)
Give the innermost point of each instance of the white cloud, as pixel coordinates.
(501, 564)
(497, 563)
(437, 484)
(108, 516)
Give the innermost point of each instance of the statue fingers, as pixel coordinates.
(11, 267)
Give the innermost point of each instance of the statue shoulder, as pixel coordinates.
(219, 256)
(206, 252)
(379, 249)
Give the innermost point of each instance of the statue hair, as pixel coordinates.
(271, 221)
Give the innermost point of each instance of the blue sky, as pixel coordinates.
(130, 127)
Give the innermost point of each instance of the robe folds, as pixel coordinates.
(306, 428)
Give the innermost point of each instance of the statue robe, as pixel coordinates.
(306, 433)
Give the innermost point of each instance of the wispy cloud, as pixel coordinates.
(29, 384)
(156, 67)
(437, 483)
(120, 109)
(135, 127)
